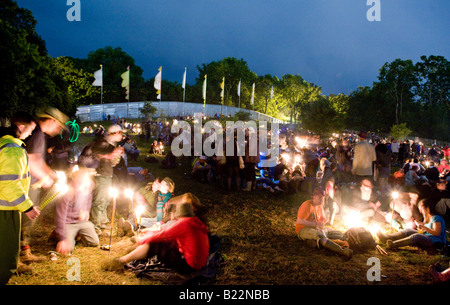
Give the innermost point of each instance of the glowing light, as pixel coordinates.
(113, 192)
(353, 219)
(301, 142)
(286, 157)
(140, 209)
(395, 195)
(129, 193)
(373, 228)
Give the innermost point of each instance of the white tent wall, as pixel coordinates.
(131, 110)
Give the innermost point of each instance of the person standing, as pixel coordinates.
(50, 123)
(383, 166)
(395, 149)
(105, 150)
(14, 187)
(363, 158)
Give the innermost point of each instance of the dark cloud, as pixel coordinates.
(330, 43)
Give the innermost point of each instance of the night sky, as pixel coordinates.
(330, 43)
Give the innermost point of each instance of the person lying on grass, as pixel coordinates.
(183, 246)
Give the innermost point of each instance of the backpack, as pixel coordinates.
(87, 158)
(360, 240)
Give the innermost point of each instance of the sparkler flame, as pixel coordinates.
(395, 195)
(139, 210)
(301, 142)
(113, 192)
(129, 193)
(353, 219)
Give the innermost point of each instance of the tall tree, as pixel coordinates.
(234, 70)
(30, 83)
(398, 79)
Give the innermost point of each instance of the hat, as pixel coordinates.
(115, 128)
(203, 158)
(184, 210)
(362, 134)
(54, 114)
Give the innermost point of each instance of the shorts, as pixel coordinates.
(311, 234)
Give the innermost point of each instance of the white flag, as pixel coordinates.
(253, 94)
(271, 93)
(98, 78)
(239, 88)
(204, 91)
(184, 79)
(157, 83)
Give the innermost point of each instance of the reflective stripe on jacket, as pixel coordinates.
(14, 175)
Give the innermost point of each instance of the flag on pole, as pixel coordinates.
(183, 85)
(126, 82)
(252, 100)
(271, 93)
(204, 91)
(157, 83)
(222, 86)
(98, 77)
(239, 88)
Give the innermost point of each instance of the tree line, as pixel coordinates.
(413, 94)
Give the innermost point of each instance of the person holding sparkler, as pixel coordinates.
(144, 201)
(14, 199)
(183, 246)
(364, 201)
(72, 213)
(106, 150)
(430, 234)
(310, 225)
(50, 123)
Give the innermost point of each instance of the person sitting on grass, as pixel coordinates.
(183, 246)
(310, 225)
(201, 170)
(431, 234)
(147, 197)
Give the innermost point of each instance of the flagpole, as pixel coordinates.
(239, 91)
(101, 94)
(184, 91)
(129, 91)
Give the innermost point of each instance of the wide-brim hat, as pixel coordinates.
(54, 114)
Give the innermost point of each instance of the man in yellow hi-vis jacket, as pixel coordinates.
(14, 187)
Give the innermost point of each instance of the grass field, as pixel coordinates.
(258, 244)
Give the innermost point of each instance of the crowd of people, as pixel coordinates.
(346, 173)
